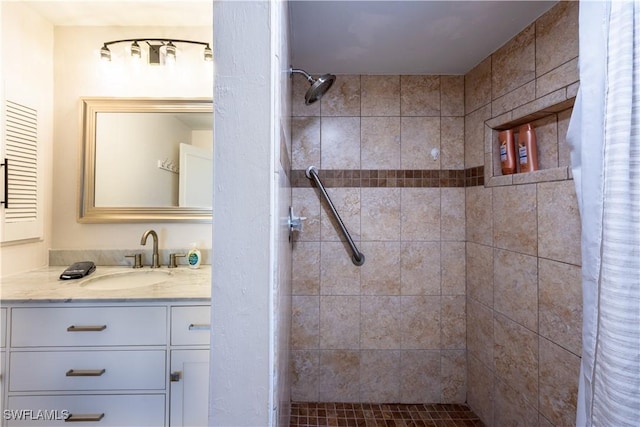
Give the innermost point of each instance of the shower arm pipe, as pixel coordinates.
(304, 73)
(357, 257)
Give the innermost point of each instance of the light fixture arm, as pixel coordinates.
(155, 40)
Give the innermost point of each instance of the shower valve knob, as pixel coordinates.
(295, 222)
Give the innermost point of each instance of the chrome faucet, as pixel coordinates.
(156, 256)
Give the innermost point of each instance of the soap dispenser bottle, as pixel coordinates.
(194, 257)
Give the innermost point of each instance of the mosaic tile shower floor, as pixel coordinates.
(310, 414)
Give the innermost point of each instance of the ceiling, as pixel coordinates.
(344, 37)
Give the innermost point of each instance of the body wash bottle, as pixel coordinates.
(507, 152)
(527, 148)
(194, 257)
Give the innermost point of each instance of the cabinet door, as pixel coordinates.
(189, 388)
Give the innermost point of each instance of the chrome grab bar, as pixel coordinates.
(358, 257)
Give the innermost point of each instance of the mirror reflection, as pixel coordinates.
(154, 160)
(146, 159)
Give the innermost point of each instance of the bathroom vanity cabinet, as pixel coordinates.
(130, 363)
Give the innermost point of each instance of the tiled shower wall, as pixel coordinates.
(499, 258)
(394, 329)
(523, 233)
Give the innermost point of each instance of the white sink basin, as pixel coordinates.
(127, 279)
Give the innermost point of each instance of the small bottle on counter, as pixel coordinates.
(194, 257)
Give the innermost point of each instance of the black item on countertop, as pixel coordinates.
(78, 270)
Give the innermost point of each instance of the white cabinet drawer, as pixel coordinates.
(87, 370)
(190, 325)
(107, 410)
(88, 326)
(3, 327)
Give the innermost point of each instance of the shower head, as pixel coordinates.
(319, 86)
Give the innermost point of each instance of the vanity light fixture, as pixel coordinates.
(154, 48)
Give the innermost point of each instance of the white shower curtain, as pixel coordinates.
(605, 141)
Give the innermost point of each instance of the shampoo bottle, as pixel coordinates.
(507, 152)
(194, 257)
(527, 148)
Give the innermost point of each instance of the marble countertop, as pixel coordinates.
(44, 285)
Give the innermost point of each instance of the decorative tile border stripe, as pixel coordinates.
(368, 178)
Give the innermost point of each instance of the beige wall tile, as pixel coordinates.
(420, 95)
(559, 228)
(559, 77)
(479, 215)
(452, 95)
(420, 268)
(480, 389)
(306, 203)
(559, 24)
(453, 264)
(514, 218)
(344, 97)
(480, 273)
(299, 87)
(417, 372)
(305, 375)
(559, 373)
(451, 143)
(338, 275)
(516, 287)
(420, 216)
(379, 376)
(305, 322)
(546, 131)
(347, 203)
(453, 322)
(480, 332)
(511, 409)
(305, 269)
(453, 364)
(513, 64)
(516, 357)
(474, 137)
(564, 151)
(339, 374)
(340, 143)
(452, 214)
(513, 99)
(380, 213)
(477, 86)
(339, 322)
(560, 302)
(380, 95)
(420, 322)
(380, 143)
(380, 274)
(305, 135)
(380, 322)
(419, 136)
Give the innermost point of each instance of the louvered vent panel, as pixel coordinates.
(21, 143)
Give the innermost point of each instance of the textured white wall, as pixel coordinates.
(251, 256)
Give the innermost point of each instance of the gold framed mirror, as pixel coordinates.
(146, 160)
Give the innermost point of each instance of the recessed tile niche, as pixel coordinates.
(549, 117)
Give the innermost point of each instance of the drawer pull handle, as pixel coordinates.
(199, 327)
(96, 328)
(85, 372)
(175, 376)
(84, 417)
